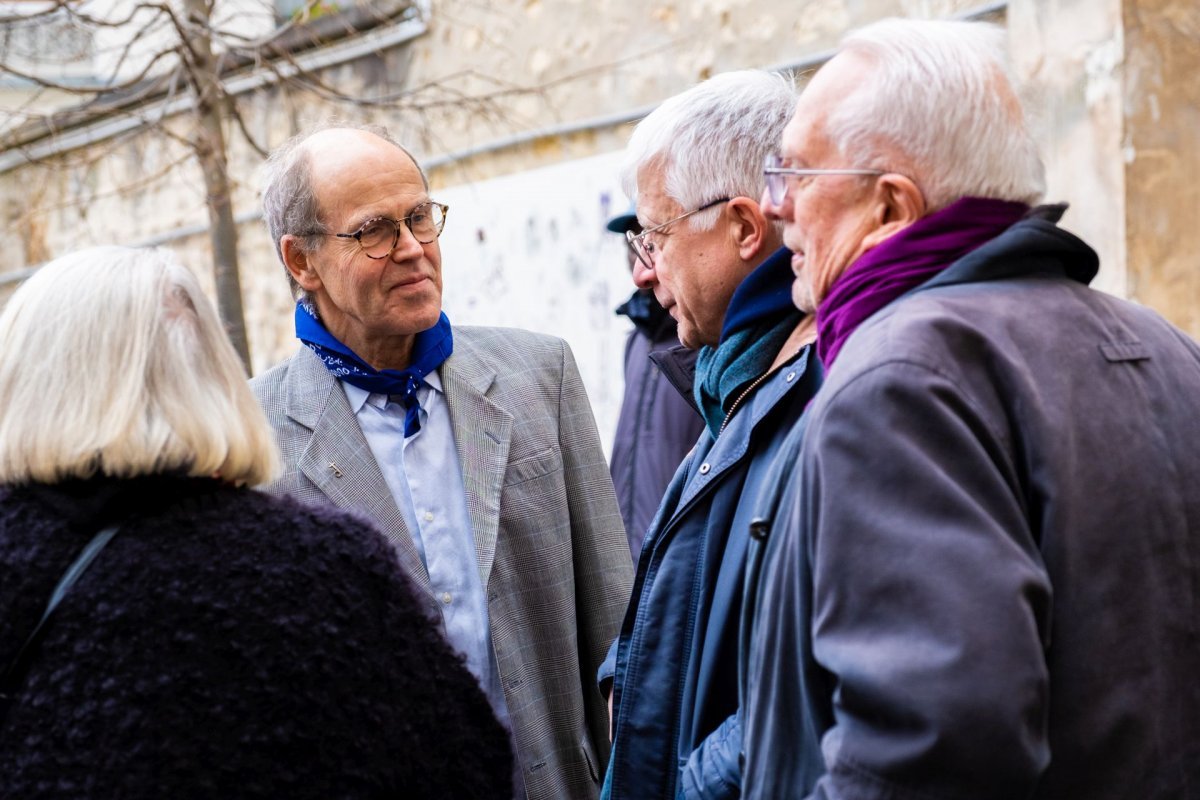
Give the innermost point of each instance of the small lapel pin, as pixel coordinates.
(337, 473)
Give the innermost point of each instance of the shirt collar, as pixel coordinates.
(360, 397)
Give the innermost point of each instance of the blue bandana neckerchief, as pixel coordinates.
(758, 321)
(430, 348)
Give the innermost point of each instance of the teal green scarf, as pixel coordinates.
(722, 372)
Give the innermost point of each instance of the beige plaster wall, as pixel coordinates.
(529, 65)
(603, 57)
(1070, 56)
(1109, 83)
(1162, 156)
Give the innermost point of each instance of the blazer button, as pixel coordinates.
(704, 468)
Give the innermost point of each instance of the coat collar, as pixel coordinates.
(338, 459)
(678, 366)
(1034, 245)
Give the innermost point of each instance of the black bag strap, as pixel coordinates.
(15, 672)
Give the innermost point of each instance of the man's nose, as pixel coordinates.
(643, 276)
(407, 247)
(769, 209)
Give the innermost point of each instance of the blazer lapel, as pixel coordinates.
(482, 432)
(339, 461)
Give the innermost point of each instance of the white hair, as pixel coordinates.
(939, 97)
(712, 139)
(115, 363)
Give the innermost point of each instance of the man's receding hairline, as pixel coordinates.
(305, 151)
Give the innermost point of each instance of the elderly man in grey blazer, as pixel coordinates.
(473, 449)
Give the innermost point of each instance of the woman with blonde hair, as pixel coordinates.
(166, 631)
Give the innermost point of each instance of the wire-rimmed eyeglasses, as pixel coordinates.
(777, 176)
(645, 249)
(378, 236)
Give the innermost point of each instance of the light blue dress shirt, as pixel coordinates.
(425, 478)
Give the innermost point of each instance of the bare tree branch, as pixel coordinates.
(236, 114)
(138, 81)
(181, 91)
(119, 191)
(52, 8)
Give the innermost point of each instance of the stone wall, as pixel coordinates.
(491, 93)
(1161, 145)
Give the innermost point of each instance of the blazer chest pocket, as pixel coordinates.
(535, 466)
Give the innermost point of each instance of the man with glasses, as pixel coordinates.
(657, 427)
(979, 566)
(715, 263)
(473, 449)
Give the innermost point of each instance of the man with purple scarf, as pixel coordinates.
(976, 576)
(473, 450)
(714, 261)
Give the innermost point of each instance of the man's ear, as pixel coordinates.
(298, 264)
(898, 203)
(748, 227)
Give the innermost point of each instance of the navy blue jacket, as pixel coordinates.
(676, 701)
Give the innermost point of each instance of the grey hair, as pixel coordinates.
(133, 375)
(713, 138)
(939, 97)
(290, 204)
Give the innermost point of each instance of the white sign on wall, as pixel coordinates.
(531, 251)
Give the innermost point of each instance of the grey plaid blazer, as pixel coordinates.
(548, 534)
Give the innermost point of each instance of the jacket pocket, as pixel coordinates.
(535, 466)
(591, 759)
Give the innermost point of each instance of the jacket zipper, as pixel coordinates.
(742, 396)
(757, 382)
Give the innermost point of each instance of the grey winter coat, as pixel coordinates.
(982, 579)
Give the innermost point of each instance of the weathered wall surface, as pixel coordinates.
(1162, 163)
(531, 250)
(1111, 89)
(1070, 56)
(1112, 84)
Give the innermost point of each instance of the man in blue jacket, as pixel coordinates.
(715, 263)
(981, 578)
(657, 425)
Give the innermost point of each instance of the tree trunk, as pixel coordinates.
(209, 144)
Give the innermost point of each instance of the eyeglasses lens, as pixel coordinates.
(775, 187)
(379, 236)
(635, 244)
(426, 222)
(776, 183)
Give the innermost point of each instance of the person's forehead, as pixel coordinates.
(654, 205)
(339, 155)
(804, 134)
(363, 175)
(832, 84)
(792, 137)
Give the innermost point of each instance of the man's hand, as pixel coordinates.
(610, 717)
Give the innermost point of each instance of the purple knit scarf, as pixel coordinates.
(904, 262)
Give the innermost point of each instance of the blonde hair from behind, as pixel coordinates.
(115, 363)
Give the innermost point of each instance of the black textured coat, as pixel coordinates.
(228, 644)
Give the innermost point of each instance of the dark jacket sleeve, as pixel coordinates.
(713, 771)
(930, 600)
